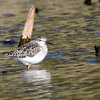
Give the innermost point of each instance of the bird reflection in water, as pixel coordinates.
(41, 82)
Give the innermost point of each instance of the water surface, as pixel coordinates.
(70, 71)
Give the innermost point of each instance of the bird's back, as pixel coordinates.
(29, 49)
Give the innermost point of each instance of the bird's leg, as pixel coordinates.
(28, 67)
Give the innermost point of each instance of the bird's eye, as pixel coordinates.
(39, 40)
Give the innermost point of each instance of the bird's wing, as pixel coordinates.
(29, 49)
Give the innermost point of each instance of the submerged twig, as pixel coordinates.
(97, 50)
(87, 2)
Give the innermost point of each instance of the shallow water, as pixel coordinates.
(70, 71)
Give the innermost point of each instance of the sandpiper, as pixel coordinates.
(30, 53)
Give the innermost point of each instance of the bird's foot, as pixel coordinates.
(28, 67)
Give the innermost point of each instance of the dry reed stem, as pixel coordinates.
(27, 31)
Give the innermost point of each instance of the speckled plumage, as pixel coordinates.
(30, 53)
(29, 49)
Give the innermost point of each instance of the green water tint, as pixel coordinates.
(71, 70)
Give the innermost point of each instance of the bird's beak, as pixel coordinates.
(49, 43)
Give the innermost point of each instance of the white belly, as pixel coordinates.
(33, 60)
